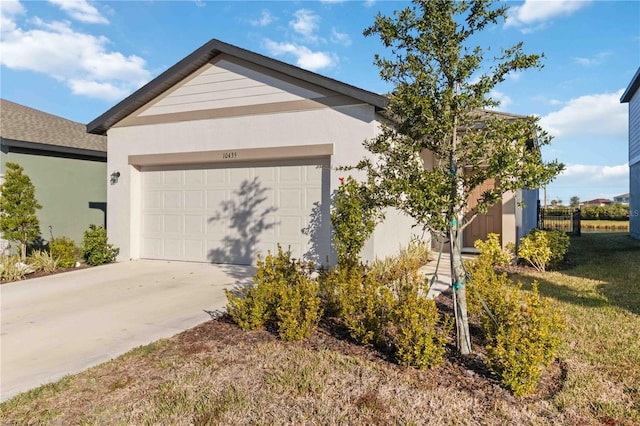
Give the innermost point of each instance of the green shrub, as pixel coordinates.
(95, 247)
(299, 310)
(491, 251)
(520, 328)
(542, 249)
(386, 308)
(353, 219)
(64, 250)
(416, 340)
(283, 295)
(525, 340)
(42, 260)
(10, 269)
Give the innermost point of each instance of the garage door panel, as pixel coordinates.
(172, 224)
(173, 177)
(193, 224)
(172, 248)
(228, 215)
(194, 249)
(152, 200)
(194, 177)
(290, 226)
(172, 200)
(193, 199)
(217, 176)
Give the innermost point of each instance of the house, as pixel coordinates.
(66, 165)
(621, 199)
(228, 153)
(601, 202)
(632, 97)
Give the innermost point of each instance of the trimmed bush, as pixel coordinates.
(96, 249)
(416, 340)
(542, 249)
(521, 329)
(64, 250)
(283, 296)
(386, 307)
(491, 251)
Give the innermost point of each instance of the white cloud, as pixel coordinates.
(332, 1)
(265, 19)
(9, 10)
(80, 10)
(593, 173)
(82, 61)
(306, 23)
(594, 60)
(534, 14)
(305, 57)
(369, 3)
(589, 115)
(504, 100)
(340, 38)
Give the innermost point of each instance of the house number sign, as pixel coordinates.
(229, 155)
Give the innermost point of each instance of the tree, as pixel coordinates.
(574, 202)
(442, 90)
(18, 204)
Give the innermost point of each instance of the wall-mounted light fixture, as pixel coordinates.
(114, 178)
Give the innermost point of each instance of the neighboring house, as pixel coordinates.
(601, 202)
(632, 97)
(66, 165)
(228, 153)
(621, 199)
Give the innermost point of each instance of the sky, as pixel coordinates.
(77, 59)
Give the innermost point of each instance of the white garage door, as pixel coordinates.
(229, 215)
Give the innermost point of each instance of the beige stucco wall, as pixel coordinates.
(345, 128)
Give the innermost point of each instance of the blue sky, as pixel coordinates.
(77, 59)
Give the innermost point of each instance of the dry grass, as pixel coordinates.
(218, 374)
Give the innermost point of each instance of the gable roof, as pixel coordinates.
(632, 88)
(205, 54)
(26, 127)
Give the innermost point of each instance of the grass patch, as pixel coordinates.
(217, 374)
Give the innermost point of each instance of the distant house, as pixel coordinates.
(67, 166)
(621, 199)
(632, 97)
(598, 202)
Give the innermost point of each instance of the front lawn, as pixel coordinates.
(218, 374)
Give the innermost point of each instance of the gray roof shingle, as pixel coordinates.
(24, 124)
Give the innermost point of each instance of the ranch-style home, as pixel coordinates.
(67, 166)
(632, 97)
(228, 153)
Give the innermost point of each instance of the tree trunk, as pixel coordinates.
(23, 251)
(458, 285)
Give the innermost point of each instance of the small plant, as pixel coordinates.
(542, 249)
(63, 249)
(42, 260)
(283, 295)
(416, 340)
(11, 268)
(524, 341)
(353, 219)
(95, 247)
(521, 329)
(491, 251)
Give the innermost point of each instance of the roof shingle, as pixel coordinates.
(21, 123)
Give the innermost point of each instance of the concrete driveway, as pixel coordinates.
(61, 324)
